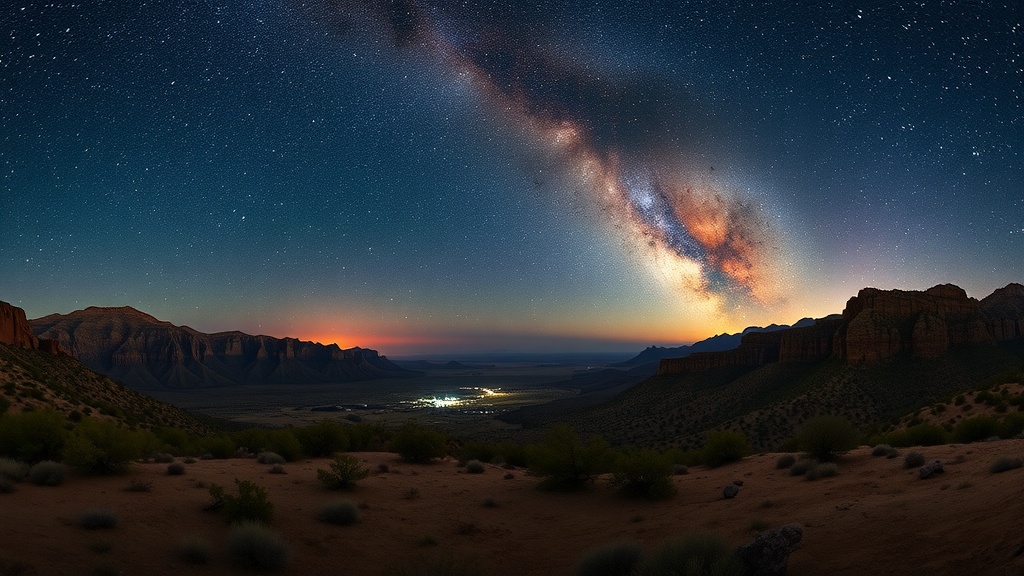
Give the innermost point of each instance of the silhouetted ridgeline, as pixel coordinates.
(877, 325)
(144, 352)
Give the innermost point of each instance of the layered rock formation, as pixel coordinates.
(878, 325)
(15, 330)
(143, 352)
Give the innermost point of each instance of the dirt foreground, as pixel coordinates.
(875, 517)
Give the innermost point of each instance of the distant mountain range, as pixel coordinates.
(713, 344)
(146, 353)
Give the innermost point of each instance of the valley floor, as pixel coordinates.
(875, 517)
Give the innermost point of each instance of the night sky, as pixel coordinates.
(480, 176)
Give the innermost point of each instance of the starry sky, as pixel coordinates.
(422, 176)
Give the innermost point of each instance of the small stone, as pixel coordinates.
(768, 553)
(730, 491)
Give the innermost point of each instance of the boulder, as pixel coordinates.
(768, 553)
(929, 470)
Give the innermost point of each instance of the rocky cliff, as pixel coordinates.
(16, 331)
(144, 352)
(876, 326)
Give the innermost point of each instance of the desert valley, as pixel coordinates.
(460, 467)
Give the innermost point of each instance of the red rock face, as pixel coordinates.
(14, 327)
(1004, 312)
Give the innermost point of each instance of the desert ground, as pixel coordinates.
(875, 517)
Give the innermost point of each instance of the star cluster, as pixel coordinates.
(434, 176)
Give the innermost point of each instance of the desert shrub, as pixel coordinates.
(101, 447)
(416, 443)
(270, 458)
(344, 473)
(175, 439)
(924, 434)
(175, 469)
(1004, 464)
(13, 469)
(611, 560)
(827, 437)
(323, 438)
(723, 447)
(695, 555)
(253, 546)
(1012, 425)
(139, 486)
(163, 458)
(33, 436)
(475, 467)
(277, 469)
(802, 466)
(47, 473)
(98, 519)
(251, 504)
(368, 437)
(883, 450)
(284, 443)
(220, 447)
(975, 429)
(785, 461)
(565, 462)
(823, 470)
(340, 512)
(913, 460)
(6, 485)
(195, 550)
(643, 474)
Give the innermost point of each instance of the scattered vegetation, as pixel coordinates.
(251, 504)
(416, 443)
(1005, 464)
(884, 450)
(270, 458)
(253, 546)
(137, 485)
(475, 467)
(323, 438)
(802, 466)
(823, 470)
(785, 461)
(47, 473)
(344, 473)
(102, 447)
(13, 469)
(695, 555)
(643, 474)
(976, 429)
(98, 519)
(612, 560)
(913, 460)
(340, 512)
(33, 436)
(724, 447)
(825, 438)
(565, 462)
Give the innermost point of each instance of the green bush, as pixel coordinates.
(924, 434)
(195, 550)
(253, 546)
(1012, 425)
(98, 519)
(612, 560)
(6, 485)
(1005, 464)
(344, 473)
(284, 443)
(913, 460)
(13, 469)
(340, 512)
(101, 447)
(416, 443)
(270, 458)
(323, 438)
(220, 447)
(724, 447)
(825, 438)
(823, 470)
(644, 474)
(565, 462)
(33, 436)
(251, 504)
(695, 555)
(884, 450)
(976, 429)
(785, 461)
(802, 466)
(47, 473)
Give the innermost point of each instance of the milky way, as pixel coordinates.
(624, 136)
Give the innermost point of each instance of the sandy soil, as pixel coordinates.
(874, 518)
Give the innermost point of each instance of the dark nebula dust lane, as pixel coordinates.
(626, 137)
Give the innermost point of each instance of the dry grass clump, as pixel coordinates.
(913, 460)
(47, 473)
(175, 469)
(270, 458)
(139, 486)
(800, 467)
(98, 519)
(13, 469)
(884, 450)
(253, 546)
(1005, 464)
(341, 512)
(823, 470)
(163, 458)
(475, 467)
(785, 461)
(694, 555)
